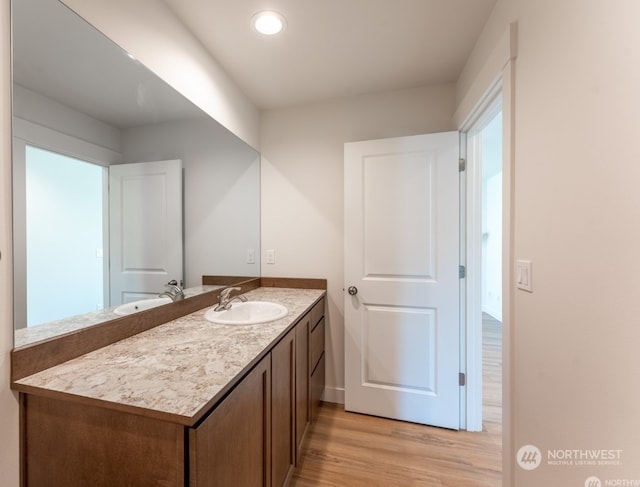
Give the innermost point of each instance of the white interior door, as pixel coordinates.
(145, 228)
(402, 329)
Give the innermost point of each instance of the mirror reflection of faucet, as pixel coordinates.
(225, 300)
(175, 292)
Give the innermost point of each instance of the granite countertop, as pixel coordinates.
(44, 331)
(175, 370)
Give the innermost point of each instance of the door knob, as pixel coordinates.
(352, 290)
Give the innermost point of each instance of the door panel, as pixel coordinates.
(394, 189)
(401, 253)
(145, 228)
(407, 334)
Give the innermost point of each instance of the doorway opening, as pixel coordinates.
(484, 143)
(491, 274)
(65, 235)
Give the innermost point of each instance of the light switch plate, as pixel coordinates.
(523, 275)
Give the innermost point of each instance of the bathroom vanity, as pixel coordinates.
(184, 403)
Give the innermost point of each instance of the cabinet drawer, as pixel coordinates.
(317, 312)
(317, 388)
(316, 344)
(303, 377)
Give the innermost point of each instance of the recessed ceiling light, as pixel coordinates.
(268, 22)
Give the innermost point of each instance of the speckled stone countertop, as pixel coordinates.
(175, 370)
(34, 334)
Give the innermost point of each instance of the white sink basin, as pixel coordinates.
(141, 305)
(247, 313)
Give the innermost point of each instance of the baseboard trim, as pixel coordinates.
(333, 394)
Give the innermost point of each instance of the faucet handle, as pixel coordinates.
(175, 292)
(227, 290)
(223, 298)
(174, 284)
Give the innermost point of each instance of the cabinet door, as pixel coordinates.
(231, 446)
(68, 444)
(283, 409)
(302, 381)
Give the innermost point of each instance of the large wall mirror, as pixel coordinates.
(120, 184)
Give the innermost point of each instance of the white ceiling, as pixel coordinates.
(330, 48)
(334, 48)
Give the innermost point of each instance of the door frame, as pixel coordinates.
(497, 78)
(26, 133)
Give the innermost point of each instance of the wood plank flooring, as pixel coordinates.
(347, 449)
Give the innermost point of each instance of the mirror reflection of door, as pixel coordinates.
(65, 236)
(145, 229)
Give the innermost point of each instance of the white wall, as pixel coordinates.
(45, 123)
(9, 464)
(46, 113)
(149, 30)
(577, 113)
(221, 197)
(302, 186)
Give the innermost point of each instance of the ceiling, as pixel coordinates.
(330, 49)
(335, 48)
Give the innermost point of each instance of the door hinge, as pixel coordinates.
(462, 379)
(462, 272)
(462, 165)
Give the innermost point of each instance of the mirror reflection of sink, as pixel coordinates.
(141, 305)
(247, 313)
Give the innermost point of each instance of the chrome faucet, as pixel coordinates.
(224, 299)
(175, 292)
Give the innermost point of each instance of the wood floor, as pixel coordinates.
(347, 449)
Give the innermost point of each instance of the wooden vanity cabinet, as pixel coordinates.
(225, 449)
(251, 438)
